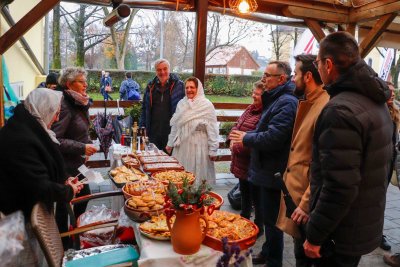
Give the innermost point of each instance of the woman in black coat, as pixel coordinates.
(72, 130)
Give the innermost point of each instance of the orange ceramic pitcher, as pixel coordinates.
(186, 234)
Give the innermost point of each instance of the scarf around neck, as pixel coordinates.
(80, 99)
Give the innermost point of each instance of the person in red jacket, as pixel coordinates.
(241, 155)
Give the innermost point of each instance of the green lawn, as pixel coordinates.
(213, 98)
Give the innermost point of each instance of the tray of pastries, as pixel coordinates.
(156, 228)
(174, 176)
(138, 187)
(155, 167)
(121, 175)
(130, 161)
(232, 226)
(157, 159)
(141, 208)
(151, 153)
(218, 200)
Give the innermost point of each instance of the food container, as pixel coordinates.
(158, 159)
(219, 199)
(138, 187)
(139, 175)
(243, 243)
(166, 176)
(130, 161)
(139, 215)
(156, 167)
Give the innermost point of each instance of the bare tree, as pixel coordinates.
(120, 37)
(56, 62)
(279, 37)
(226, 31)
(79, 21)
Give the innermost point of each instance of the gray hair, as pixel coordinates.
(161, 60)
(69, 74)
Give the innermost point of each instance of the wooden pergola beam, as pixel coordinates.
(26, 23)
(199, 58)
(351, 28)
(317, 14)
(374, 10)
(315, 28)
(373, 35)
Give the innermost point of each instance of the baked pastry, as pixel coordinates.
(153, 167)
(157, 159)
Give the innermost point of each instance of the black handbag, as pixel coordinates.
(235, 197)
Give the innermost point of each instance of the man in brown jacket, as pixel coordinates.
(309, 85)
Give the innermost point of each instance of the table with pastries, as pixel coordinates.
(143, 178)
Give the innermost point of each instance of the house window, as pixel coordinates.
(370, 62)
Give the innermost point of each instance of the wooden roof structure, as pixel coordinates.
(376, 19)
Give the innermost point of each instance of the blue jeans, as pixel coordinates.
(272, 249)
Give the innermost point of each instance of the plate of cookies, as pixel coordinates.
(156, 228)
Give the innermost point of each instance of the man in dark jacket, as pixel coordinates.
(159, 103)
(352, 151)
(270, 144)
(130, 89)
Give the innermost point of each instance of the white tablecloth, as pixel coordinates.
(155, 253)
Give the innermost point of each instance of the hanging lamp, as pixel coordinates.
(243, 6)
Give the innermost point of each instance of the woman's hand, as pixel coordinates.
(168, 149)
(75, 184)
(237, 136)
(90, 149)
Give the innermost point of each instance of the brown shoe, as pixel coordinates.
(392, 260)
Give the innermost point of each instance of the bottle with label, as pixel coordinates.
(143, 136)
(134, 137)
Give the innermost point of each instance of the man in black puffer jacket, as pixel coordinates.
(352, 151)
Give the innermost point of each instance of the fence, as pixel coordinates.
(126, 104)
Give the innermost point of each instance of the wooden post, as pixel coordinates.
(199, 59)
(315, 28)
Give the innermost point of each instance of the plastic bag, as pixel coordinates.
(97, 237)
(125, 233)
(12, 236)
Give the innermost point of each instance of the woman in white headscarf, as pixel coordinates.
(194, 132)
(32, 167)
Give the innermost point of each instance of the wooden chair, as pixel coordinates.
(46, 230)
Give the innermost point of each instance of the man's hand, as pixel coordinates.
(237, 136)
(311, 250)
(299, 216)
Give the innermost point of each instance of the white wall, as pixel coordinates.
(20, 67)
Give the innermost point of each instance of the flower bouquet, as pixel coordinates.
(189, 198)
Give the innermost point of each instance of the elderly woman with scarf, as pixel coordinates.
(194, 132)
(72, 130)
(32, 168)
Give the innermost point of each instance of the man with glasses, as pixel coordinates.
(270, 144)
(352, 152)
(314, 97)
(160, 98)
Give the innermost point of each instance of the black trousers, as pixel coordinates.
(338, 260)
(249, 197)
(272, 249)
(301, 259)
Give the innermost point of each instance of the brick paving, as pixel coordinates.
(374, 259)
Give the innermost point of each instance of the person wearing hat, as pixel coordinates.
(51, 81)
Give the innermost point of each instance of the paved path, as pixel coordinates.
(391, 228)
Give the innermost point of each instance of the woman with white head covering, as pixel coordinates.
(32, 167)
(194, 132)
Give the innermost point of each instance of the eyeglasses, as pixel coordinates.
(315, 62)
(267, 75)
(82, 82)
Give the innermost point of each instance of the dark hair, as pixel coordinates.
(52, 78)
(342, 48)
(128, 75)
(193, 79)
(259, 85)
(283, 66)
(308, 66)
